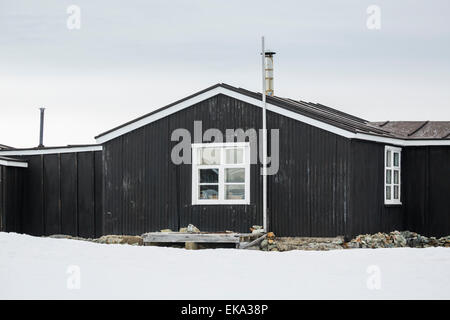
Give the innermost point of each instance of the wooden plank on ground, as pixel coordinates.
(191, 237)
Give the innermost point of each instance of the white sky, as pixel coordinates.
(132, 57)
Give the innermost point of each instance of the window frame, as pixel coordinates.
(392, 150)
(221, 179)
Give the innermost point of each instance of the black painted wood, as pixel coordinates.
(57, 193)
(69, 194)
(11, 193)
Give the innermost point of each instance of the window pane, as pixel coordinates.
(209, 175)
(388, 158)
(209, 156)
(396, 192)
(234, 175)
(396, 159)
(234, 156)
(396, 177)
(388, 193)
(209, 192)
(388, 176)
(235, 191)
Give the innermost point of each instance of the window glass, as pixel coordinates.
(396, 192)
(209, 156)
(388, 193)
(396, 159)
(234, 156)
(388, 176)
(235, 191)
(388, 158)
(209, 192)
(209, 175)
(234, 175)
(396, 176)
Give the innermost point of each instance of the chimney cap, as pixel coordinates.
(269, 53)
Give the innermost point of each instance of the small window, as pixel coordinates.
(392, 174)
(221, 173)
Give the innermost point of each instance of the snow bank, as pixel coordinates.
(37, 268)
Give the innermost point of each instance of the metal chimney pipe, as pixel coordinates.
(268, 71)
(41, 129)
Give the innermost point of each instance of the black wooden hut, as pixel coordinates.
(56, 190)
(337, 174)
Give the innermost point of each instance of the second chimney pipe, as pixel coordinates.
(41, 129)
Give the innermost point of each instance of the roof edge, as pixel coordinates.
(51, 150)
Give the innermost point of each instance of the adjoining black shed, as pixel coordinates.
(60, 191)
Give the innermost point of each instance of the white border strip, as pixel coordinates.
(13, 164)
(290, 114)
(49, 151)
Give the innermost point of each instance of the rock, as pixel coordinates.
(183, 230)
(191, 245)
(118, 239)
(192, 228)
(264, 243)
(166, 230)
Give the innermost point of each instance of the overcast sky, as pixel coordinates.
(131, 57)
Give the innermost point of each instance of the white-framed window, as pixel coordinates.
(221, 173)
(392, 175)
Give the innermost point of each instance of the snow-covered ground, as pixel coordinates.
(41, 268)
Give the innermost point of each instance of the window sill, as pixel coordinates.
(221, 203)
(396, 204)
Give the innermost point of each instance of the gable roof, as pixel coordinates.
(315, 114)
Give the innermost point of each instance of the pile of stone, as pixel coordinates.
(397, 239)
(310, 243)
(268, 242)
(116, 239)
(109, 239)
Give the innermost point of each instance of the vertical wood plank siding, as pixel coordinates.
(368, 213)
(427, 190)
(145, 191)
(58, 194)
(11, 191)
